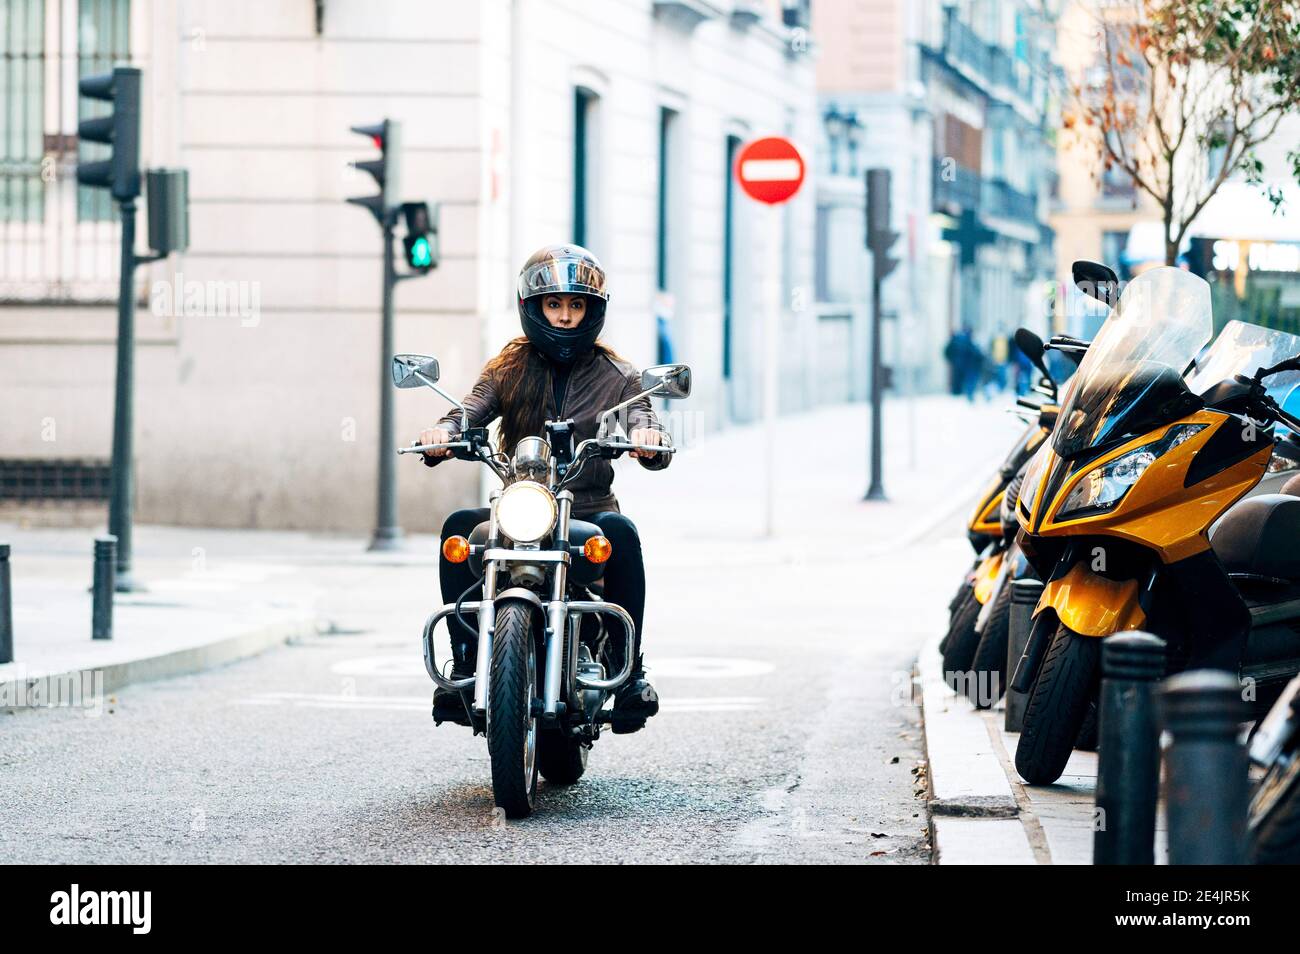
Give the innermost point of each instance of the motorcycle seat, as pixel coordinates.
(1259, 536)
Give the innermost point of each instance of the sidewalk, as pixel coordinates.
(938, 452)
(981, 811)
(203, 605)
(214, 596)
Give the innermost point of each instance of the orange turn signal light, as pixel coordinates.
(455, 549)
(597, 549)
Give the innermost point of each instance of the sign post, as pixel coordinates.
(770, 170)
(880, 239)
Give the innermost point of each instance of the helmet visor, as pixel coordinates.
(563, 275)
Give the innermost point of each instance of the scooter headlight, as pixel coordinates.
(1103, 487)
(1029, 483)
(526, 511)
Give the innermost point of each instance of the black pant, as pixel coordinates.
(624, 573)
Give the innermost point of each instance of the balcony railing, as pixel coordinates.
(990, 62)
(1003, 201)
(955, 187)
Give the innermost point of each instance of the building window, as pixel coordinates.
(728, 252)
(667, 132)
(58, 241)
(103, 41)
(584, 108)
(22, 92)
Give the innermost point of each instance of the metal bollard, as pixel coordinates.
(1206, 788)
(1128, 764)
(6, 609)
(1024, 597)
(101, 617)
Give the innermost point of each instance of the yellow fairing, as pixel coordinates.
(1159, 511)
(987, 517)
(1092, 605)
(985, 576)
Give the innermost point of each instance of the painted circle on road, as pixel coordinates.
(706, 667)
(676, 667)
(407, 665)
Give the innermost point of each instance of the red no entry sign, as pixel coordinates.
(770, 169)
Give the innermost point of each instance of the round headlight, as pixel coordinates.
(526, 511)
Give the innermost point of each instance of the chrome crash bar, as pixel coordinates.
(571, 606)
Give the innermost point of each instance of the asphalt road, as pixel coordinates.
(785, 735)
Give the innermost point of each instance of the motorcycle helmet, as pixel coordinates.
(562, 270)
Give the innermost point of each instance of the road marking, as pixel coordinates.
(399, 666)
(707, 667)
(334, 700)
(411, 665)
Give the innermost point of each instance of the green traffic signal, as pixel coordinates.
(421, 255)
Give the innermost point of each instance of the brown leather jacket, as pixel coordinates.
(596, 383)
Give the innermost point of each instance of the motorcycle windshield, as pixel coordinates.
(1131, 379)
(1243, 348)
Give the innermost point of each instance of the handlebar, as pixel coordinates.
(421, 448)
(620, 447)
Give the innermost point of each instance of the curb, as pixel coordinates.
(974, 814)
(14, 692)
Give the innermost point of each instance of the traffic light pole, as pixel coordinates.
(388, 534)
(876, 491)
(880, 238)
(120, 482)
(121, 493)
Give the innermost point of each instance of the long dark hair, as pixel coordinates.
(521, 376)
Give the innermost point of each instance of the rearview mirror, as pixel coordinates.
(1033, 349)
(667, 380)
(413, 370)
(1096, 281)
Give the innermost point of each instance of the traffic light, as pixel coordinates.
(421, 241)
(386, 170)
(880, 237)
(119, 129)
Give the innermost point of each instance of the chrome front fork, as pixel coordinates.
(557, 632)
(486, 616)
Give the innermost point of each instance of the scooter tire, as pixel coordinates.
(1058, 706)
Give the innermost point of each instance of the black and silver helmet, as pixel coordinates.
(562, 270)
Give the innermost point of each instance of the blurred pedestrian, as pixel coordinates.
(963, 359)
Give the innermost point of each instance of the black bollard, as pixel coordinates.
(101, 619)
(6, 609)
(1025, 595)
(1206, 789)
(1128, 763)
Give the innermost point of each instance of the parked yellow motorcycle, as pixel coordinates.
(974, 649)
(1115, 509)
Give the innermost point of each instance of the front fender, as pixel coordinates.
(1092, 605)
(986, 575)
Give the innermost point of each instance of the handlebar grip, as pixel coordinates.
(421, 448)
(611, 451)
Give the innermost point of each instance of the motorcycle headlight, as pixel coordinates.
(1029, 484)
(1103, 487)
(526, 511)
(1007, 513)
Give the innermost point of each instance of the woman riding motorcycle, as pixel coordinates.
(558, 370)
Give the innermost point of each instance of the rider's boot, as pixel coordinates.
(634, 702)
(451, 706)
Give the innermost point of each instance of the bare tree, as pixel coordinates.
(1182, 94)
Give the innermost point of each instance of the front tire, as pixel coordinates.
(961, 642)
(511, 725)
(1058, 706)
(988, 676)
